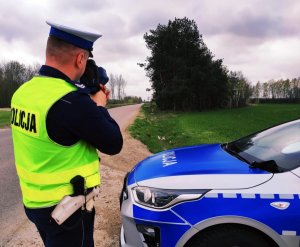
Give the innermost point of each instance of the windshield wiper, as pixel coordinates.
(269, 166)
(234, 153)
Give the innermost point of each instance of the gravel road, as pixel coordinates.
(16, 230)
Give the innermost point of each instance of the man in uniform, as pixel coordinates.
(57, 127)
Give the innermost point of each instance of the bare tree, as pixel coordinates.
(112, 85)
(120, 87)
(117, 86)
(240, 89)
(31, 71)
(257, 91)
(123, 85)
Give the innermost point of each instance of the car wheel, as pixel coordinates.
(230, 236)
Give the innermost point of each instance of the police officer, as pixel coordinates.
(57, 127)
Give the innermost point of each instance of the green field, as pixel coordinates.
(4, 118)
(164, 130)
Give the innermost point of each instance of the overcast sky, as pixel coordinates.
(259, 37)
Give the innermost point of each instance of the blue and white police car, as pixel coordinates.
(238, 194)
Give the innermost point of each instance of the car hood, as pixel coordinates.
(202, 166)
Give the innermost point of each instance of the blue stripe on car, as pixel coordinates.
(257, 208)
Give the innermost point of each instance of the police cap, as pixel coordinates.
(79, 38)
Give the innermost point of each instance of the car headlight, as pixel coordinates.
(160, 198)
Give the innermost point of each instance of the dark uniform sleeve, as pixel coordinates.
(76, 117)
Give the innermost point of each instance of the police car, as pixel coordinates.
(238, 194)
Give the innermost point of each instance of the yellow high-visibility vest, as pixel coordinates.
(44, 167)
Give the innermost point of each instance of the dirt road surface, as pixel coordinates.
(113, 169)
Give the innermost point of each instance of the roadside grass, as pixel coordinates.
(164, 130)
(4, 117)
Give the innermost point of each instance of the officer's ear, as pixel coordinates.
(81, 59)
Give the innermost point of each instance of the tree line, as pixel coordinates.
(12, 75)
(277, 90)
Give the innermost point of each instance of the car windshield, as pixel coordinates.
(280, 144)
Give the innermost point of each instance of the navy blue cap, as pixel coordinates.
(76, 37)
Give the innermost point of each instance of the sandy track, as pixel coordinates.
(107, 224)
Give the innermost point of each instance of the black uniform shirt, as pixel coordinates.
(77, 117)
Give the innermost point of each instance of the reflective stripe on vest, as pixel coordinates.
(57, 193)
(44, 167)
(57, 177)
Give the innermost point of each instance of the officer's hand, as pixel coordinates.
(105, 90)
(99, 98)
